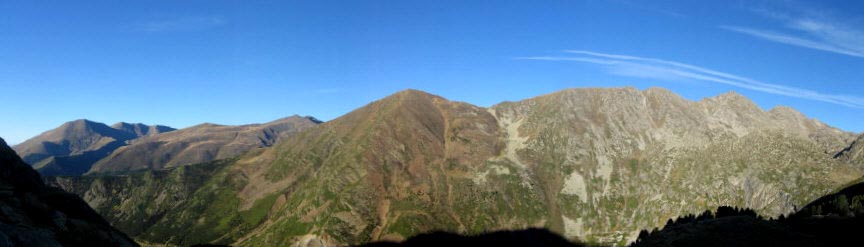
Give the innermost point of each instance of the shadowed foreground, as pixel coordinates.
(728, 227)
(832, 220)
(528, 237)
(733, 227)
(828, 221)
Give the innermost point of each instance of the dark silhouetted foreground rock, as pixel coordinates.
(32, 214)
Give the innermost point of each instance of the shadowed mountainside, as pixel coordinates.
(593, 165)
(75, 146)
(32, 214)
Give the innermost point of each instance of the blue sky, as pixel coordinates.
(181, 63)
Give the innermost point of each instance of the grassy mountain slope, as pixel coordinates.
(135, 202)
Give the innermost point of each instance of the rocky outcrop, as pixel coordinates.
(853, 153)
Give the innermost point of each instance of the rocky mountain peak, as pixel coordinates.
(406, 106)
(735, 101)
(413, 93)
(410, 97)
(296, 118)
(83, 126)
(730, 95)
(588, 92)
(661, 92)
(80, 122)
(72, 137)
(786, 113)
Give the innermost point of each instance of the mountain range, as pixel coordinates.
(74, 146)
(197, 144)
(595, 165)
(84, 146)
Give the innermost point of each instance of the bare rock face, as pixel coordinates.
(630, 154)
(594, 165)
(32, 214)
(854, 153)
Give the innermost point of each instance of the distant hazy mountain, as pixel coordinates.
(83, 146)
(594, 165)
(196, 144)
(36, 215)
(74, 146)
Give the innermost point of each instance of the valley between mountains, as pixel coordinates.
(593, 165)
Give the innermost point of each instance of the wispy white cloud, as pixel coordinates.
(799, 41)
(188, 23)
(808, 30)
(654, 68)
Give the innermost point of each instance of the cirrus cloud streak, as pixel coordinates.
(654, 68)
